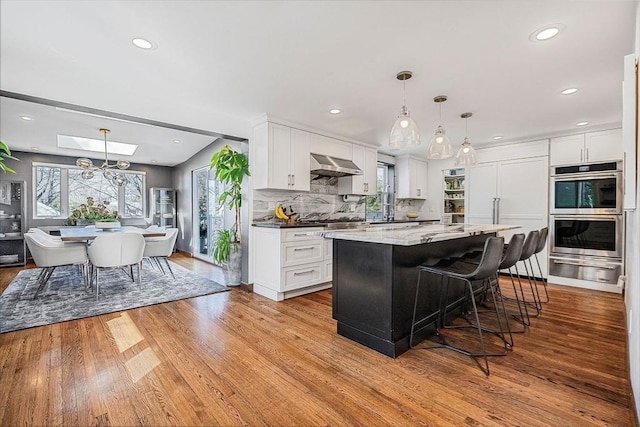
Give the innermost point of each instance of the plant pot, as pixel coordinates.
(108, 225)
(232, 269)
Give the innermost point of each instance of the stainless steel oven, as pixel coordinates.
(587, 235)
(593, 189)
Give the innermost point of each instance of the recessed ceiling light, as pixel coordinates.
(154, 161)
(142, 43)
(546, 32)
(35, 148)
(569, 91)
(26, 118)
(176, 141)
(335, 111)
(498, 137)
(582, 123)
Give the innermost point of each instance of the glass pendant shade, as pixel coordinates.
(123, 164)
(84, 162)
(404, 132)
(440, 146)
(466, 155)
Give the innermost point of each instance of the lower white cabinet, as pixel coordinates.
(289, 262)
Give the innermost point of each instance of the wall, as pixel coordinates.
(632, 267)
(156, 176)
(182, 182)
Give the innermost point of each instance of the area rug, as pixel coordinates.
(65, 298)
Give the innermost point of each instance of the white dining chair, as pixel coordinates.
(43, 233)
(157, 249)
(115, 250)
(49, 254)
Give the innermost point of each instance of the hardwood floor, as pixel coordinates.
(236, 358)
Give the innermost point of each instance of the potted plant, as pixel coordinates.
(230, 167)
(5, 153)
(92, 213)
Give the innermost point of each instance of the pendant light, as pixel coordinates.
(404, 132)
(440, 146)
(466, 155)
(90, 169)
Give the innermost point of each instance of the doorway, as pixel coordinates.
(208, 213)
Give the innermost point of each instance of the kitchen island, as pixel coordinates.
(375, 275)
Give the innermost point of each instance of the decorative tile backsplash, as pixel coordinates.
(322, 202)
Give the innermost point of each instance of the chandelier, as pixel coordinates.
(405, 131)
(90, 169)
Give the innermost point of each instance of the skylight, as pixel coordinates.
(97, 145)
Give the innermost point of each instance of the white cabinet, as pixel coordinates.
(412, 178)
(509, 192)
(282, 158)
(321, 144)
(289, 262)
(629, 114)
(591, 147)
(367, 160)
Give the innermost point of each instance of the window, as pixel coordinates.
(58, 189)
(380, 206)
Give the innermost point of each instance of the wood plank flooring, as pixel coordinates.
(236, 358)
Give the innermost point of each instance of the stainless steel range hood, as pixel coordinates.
(332, 166)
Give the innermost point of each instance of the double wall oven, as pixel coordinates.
(586, 226)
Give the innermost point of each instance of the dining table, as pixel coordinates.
(83, 234)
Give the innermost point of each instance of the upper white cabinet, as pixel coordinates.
(282, 157)
(365, 184)
(587, 148)
(629, 114)
(321, 144)
(412, 178)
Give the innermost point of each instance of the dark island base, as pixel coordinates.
(374, 289)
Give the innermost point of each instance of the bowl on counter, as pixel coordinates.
(412, 215)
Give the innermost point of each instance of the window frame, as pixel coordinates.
(64, 190)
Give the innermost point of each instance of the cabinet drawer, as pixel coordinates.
(295, 253)
(293, 234)
(328, 271)
(302, 276)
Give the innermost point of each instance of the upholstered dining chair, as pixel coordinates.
(115, 250)
(49, 254)
(43, 233)
(157, 249)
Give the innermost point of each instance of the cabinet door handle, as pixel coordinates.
(300, 273)
(306, 248)
(581, 150)
(293, 180)
(300, 234)
(586, 157)
(289, 180)
(418, 192)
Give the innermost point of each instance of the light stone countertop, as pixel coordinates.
(412, 234)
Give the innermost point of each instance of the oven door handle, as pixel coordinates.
(581, 264)
(585, 176)
(587, 217)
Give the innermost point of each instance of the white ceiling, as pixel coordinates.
(219, 65)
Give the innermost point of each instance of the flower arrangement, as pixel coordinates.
(91, 212)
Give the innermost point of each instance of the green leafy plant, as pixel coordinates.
(91, 212)
(230, 167)
(5, 153)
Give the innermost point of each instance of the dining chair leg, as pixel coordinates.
(169, 267)
(97, 284)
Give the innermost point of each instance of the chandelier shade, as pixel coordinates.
(404, 132)
(440, 146)
(466, 155)
(90, 170)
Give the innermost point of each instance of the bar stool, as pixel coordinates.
(510, 257)
(530, 245)
(542, 242)
(468, 273)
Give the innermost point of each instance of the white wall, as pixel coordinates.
(632, 297)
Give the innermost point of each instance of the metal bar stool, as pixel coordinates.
(542, 242)
(530, 244)
(510, 257)
(467, 273)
